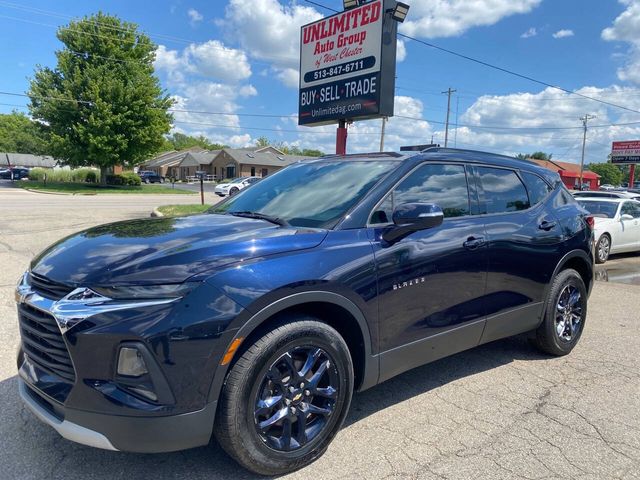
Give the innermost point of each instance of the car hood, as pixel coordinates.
(166, 250)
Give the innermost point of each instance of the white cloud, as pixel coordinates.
(442, 18)
(195, 16)
(626, 28)
(532, 32)
(401, 51)
(549, 121)
(209, 59)
(269, 31)
(563, 33)
(289, 76)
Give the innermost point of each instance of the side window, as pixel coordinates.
(444, 185)
(537, 188)
(630, 209)
(503, 191)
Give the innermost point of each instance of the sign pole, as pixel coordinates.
(632, 171)
(341, 138)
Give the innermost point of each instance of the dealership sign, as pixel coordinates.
(626, 152)
(347, 66)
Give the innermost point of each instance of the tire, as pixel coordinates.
(603, 248)
(261, 373)
(147, 181)
(233, 191)
(564, 315)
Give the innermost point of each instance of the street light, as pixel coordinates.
(399, 12)
(349, 4)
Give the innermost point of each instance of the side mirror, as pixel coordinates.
(413, 217)
(626, 216)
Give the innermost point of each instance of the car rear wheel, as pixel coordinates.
(286, 397)
(564, 316)
(603, 248)
(233, 191)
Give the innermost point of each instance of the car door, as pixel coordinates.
(524, 246)
(432, 282)
(629, 236)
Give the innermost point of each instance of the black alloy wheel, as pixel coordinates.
(296, 398)
(565, 314)
(286, 396)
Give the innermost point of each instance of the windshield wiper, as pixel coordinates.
(260, 216)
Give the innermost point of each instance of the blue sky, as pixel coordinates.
(240, 57)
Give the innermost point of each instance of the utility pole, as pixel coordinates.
(446, 128)
(584, 120)
(384, 123)
(455, 134)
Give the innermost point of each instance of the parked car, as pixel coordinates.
(149, 176)
(234, 186)
(257, 320)
(17, 173)
(607, 194)
(617, 225)
(607, 187)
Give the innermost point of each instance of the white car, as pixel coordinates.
(234, 186)
(608, 194)
(617, 225)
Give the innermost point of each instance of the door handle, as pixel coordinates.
(547, 225)
(473, 243)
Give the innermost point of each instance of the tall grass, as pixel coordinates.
(79, 175)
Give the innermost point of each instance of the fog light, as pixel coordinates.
(131, 363)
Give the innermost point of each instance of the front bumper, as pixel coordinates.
(131, 434)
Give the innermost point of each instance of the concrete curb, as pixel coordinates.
(46, 192)
(157, 213)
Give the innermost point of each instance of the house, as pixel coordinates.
(225, 163)
(196, 162)
(167, 164)
(250, 162)
(27, 160)
(570, 173)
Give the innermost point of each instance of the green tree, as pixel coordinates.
(262, 142)
(535, 155)
(103, 102)
(180, 141)
(311, 152)
(19, 134)
(609, 173)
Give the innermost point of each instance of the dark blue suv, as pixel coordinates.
(257, 320)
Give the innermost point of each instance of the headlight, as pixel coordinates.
(131, 292)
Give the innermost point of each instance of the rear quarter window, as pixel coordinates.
(537, 188)
(503, 191)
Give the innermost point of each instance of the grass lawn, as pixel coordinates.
(178, 210)
(92, 189)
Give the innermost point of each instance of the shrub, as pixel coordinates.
(124, 178)
(92, 177)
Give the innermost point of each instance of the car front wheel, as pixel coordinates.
(286, 397)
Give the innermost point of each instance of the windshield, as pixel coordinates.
(314, 194)
(600, 209)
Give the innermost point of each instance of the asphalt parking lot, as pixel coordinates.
(499, 411)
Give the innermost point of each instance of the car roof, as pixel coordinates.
(445, 154)
(605, 199)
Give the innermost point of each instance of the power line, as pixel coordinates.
(495, 67)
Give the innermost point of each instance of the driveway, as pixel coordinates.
(499, 411)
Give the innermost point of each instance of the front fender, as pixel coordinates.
(371, 366)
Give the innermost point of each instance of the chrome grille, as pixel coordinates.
(48, 288)
(42, 342)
